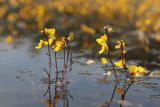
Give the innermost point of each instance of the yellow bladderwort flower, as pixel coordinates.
(132, 69)
(49, 31)
(103, 49)
(50, 35)
(40, 45)
(9, 40)
(59, 45)
(104, 60)
(70, 36)
(120, 63)
(50, 41)
(141, 69)
(103, 42)
(120, 44)
(136, 70)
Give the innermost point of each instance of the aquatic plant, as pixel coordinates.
(55, 45)
(105, 44)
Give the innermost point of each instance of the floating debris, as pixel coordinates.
(155, 74)
(124, 103)
(85, 73)
(46, 81)
(154, 96)
(90, 62)
(24, 71)
(102, 81)
(59, 83)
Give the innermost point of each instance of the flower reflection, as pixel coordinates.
(120, 89)
(59, 92)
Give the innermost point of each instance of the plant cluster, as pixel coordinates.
(54, 46)
(105, 43)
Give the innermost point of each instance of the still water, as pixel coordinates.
(23, 82)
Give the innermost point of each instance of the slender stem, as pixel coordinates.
(64, 56)
(71, 62)
(124, 62)
(125, 91)
(109, 55)
(114, 91)
(112, 64)
(49, 68)
(68, 51)
(123, 57)
(55, 56)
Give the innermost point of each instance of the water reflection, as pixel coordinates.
(58, 93)
(121, 89)
(86, 90)
(58, 86)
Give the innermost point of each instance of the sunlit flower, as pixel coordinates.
(40, 45)
(70, 36)
(103, 42)
(9, 39)
(59, 45)
(120, 63)
(50, 41)
(103, 49)
(120, 44)
(136, 70)
(48, 31)
(104, 60)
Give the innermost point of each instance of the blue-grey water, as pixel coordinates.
(22, 81)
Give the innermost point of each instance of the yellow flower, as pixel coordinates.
(103, 42)
(9, 39)
(104, 60)
(136, 70)
(49, 31)
(40, 44)
(50, 41)
(70, 36)
(103, 49)
(59, 45)
(120, 44)
(141, 69)
(120, 63)
(132, 69)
